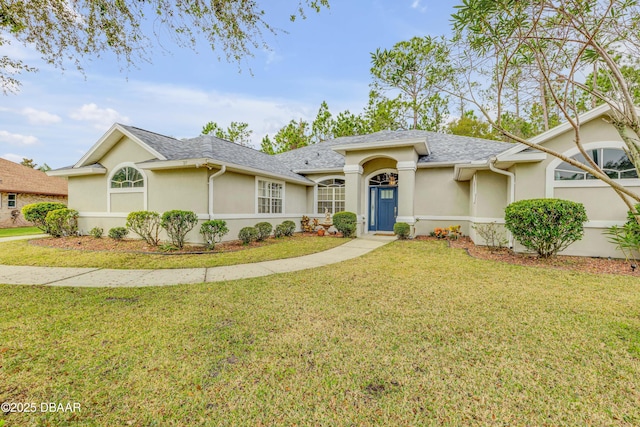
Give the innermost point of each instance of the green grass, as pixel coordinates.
(411, 334)
(19, 231)
(22, 253)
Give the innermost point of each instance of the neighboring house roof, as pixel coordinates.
(443, 148)
(15, 178)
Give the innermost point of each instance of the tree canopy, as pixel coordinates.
(61, 30)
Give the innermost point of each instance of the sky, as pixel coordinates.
(56, 116)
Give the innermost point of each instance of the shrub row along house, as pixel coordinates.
(422, 178)
(22, 185)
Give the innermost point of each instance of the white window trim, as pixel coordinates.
(315, 189)
(15, 201)
(142, 189)
(551, 184)
(284, 192)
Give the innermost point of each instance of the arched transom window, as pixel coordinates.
(331, 195)
(127, 177)
(613, 162)
(384, 179)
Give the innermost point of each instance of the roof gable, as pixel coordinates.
(112, 137)
(15, 178)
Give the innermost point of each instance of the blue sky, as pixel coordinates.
(56, 116)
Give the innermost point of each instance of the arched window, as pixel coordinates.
(331, 195)
(613, 162)
(384, 179)
(127, 177)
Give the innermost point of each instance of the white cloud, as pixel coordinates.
(101, 118)
(16, 158)
(16, 138)
(38, 117)
(416, 5)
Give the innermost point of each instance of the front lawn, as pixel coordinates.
(19, 231)
(23, 253)
(413, 333)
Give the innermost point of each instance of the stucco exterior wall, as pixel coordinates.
(438, 194)
(295, 199)
(234, 193)
(88, 193)
(22, 199)
(184, 189)
(127, 202)
(492, 194)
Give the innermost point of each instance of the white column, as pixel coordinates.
(406, 192)
(353, 190)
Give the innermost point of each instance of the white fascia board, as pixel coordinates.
(464, 172)
(419, 144)
(438, 164)
(522, 157)
(77, 171)
(317, 171)
(212, 163)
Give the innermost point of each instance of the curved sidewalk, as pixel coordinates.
(101, 277)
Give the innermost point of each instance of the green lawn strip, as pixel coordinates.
(19, 231)
(411, 334)
(22, 253)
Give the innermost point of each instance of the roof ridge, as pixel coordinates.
(148, 131)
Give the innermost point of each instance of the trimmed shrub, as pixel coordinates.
(288, 227)
(279, 231)
(264, 230)
(213, 231)
(96, 232)
(248, 235)
(118, 233)
(345, 223)
(145, 224)
(36, 213)
(546, 226)
(177, 224)
(402, 230)
(62, 222)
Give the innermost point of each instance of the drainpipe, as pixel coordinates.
(222, 170)
(512, 188)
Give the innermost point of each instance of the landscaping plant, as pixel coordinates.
(177, 224)
(345, 223)
(248, 235)
(213, 231)
(264, 230)
(288, 227)
(494, 238)
(402, 230)
(62, 222)
(145, 224)
(118, 233)
(96, 232)
(627, 238)
(36, 213)
(546, 226)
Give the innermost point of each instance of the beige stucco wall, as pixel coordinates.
(184, 189)
(295, 199)
(492, 195)
(88, 193)
(234, 193)
(437, 193)
(22, 199)
(127, 202)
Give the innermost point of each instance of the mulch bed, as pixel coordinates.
(106, 244)
(575, 263)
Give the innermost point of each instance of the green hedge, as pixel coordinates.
(248, 235)
(264, 230)
(546, 226)
(36, 213)
(402, 230)
(177, 224)
(62, 222)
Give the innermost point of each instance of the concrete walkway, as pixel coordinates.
(101, 277)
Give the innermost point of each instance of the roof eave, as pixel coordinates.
(77, 171)
(419, 144)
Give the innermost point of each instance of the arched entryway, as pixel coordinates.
(383, 201)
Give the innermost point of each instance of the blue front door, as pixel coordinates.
(384, 208)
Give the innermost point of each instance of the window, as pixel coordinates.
(11, 201)
(270, 196)
(613, 162)
(127, 177)
(331, 195)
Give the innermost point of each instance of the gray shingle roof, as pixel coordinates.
(214, 148)
(443, 148)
